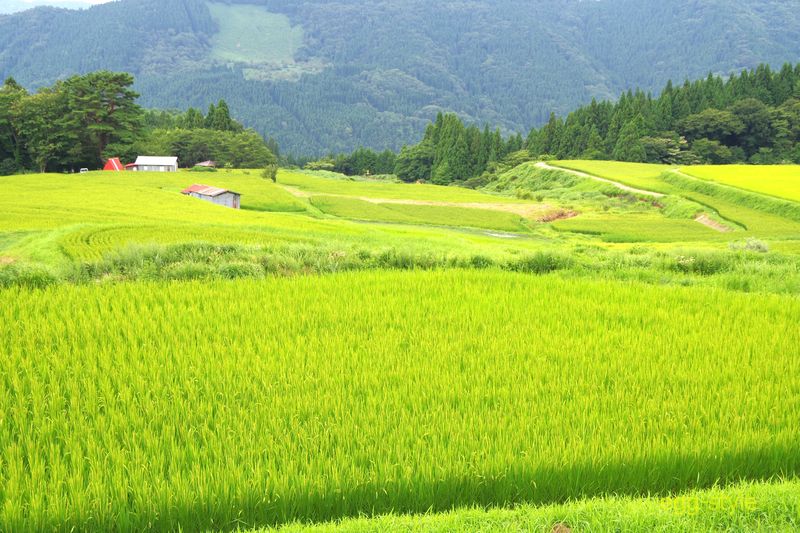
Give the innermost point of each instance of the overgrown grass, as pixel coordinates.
(232, 404)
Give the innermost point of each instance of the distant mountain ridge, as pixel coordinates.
(333, 75)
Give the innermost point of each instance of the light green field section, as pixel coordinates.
(640, 175)
(254, 403)
(782, 181)
(395, 191)
(762, 507)
(641, 228)
(251, 34)
(419, 214)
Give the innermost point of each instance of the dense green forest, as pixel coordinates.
(84, 120)
(751, 117)
(374, 73)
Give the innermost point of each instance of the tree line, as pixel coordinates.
(82, 121)
(450, 152)
(753, 117)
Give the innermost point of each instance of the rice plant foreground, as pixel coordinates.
(249, 403)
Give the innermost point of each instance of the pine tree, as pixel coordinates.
(629, 146)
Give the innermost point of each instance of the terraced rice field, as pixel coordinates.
(782, 181)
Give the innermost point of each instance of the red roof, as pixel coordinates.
(206, 190)
(113, 164)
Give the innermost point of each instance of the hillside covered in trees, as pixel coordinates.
(84, 120)
(753, 117)
(332, 76)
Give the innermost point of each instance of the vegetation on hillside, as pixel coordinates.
(753, 117)
(374, 73)
(84, 120)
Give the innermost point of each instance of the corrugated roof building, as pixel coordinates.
(146, 163)
(215, 195)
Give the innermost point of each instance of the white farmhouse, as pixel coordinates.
(215, 195)
(146, 163)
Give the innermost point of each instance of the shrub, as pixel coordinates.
(270, 172)
(187, 271)
(540, 263)
(750, 245)
(239, 270)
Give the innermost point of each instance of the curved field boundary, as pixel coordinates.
(752, 200)
(618, 185)
(748, 183)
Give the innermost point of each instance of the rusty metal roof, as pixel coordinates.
(206, 190)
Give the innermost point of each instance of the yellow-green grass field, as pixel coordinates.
(80, 217)
(782, 181)
(252, 403)
(635, 227)
(640, 175)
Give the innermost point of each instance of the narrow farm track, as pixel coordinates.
(621, 186)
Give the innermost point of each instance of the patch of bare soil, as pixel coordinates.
(705, 220)
(6, 260)
(559, 214)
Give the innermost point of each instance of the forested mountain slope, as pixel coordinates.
(333, 75)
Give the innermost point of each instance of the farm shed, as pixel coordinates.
(145, 163)
(114, 164)
(215, 195)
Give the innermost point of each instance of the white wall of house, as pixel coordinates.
(156, 168)
(227, 200)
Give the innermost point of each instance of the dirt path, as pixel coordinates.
(616, 184)
(532, 211)
(705, 220)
